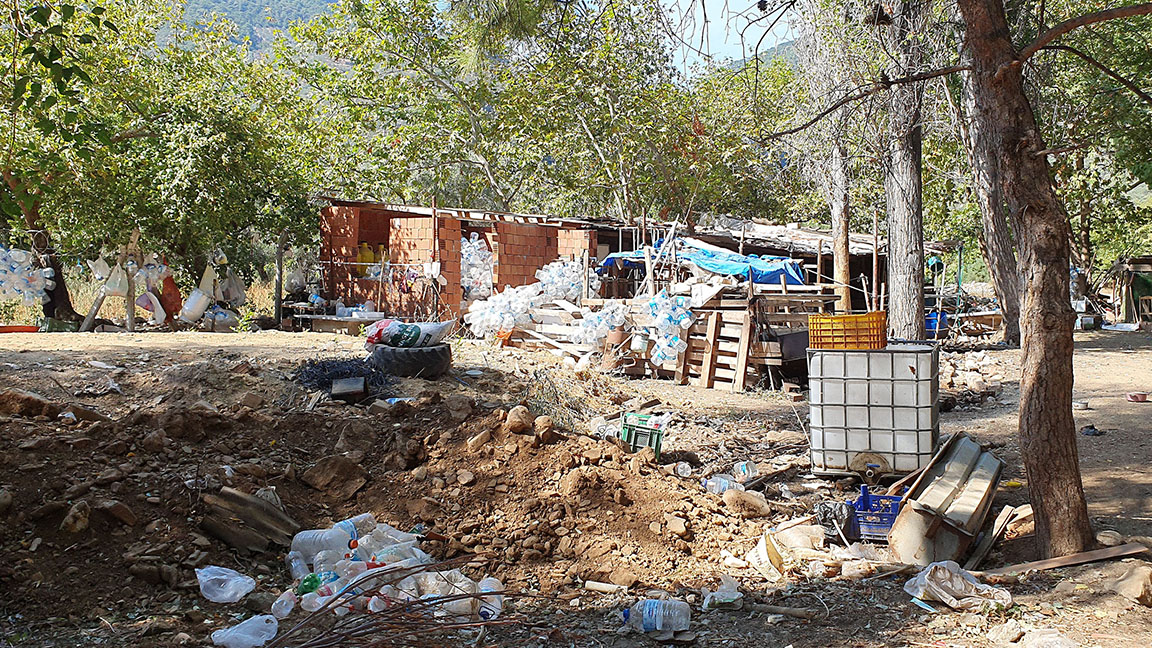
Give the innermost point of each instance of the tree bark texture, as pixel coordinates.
(1047, 431)
(903, 185)
(841, 211)
(997, 240)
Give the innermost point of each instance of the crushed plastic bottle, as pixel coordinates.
(223, 585)
(357, 526)
(651, 615)
(284, 603)
(297, 566)
(745, 471)
(718, 484)
(250, 633)
(491, 599)
(311, 542)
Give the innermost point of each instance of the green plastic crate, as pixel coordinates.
(636, 432)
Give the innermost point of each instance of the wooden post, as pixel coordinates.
(280, 276)
(711, 347)
(875, 260)
(650, 279)
(740, 381)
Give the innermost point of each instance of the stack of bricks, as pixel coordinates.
(452, 294)
(339, 235)
(573, 243)
(522, 250)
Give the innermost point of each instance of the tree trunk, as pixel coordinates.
(841, 210)
(59, 304)
(903, 185)
(997, 238)
(1047, 431)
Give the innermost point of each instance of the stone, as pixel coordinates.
(465, 478)
(84, 414)
(479, 441)
(259, 602)
(17, 402)
(545, 429)
(1135, 584)
(356, 436)
(1008, 632)
(5, 501)
(420, 473)
(594, 455)
(621, 497)
(251, 399)
(155, 441)
(519, 421)
(182, 638)
(623, 577)
(459, 407)
(77, 518)
(147, 572)
(204, 406)
(676, 525)
(646, 455)
(1047, 638)
(118, 511)
(747, 504)
(336, 475)
(654, 527)
(1110, 538)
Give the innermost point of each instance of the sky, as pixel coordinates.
(713, 27)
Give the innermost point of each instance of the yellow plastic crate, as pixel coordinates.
(861, 332)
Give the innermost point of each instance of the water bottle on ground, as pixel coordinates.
(491, 598)
(357, 526)
(311, 542)
(650, 615)
(297, 567)
(745, 471)
(284, 604)
(718, 484)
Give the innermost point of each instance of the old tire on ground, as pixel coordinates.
(417, 362)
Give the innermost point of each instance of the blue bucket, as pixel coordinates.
(937, 325)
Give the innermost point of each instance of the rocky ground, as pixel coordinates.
(106, 480)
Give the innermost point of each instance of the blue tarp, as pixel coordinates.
(760, 269)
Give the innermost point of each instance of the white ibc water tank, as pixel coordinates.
(882, 402)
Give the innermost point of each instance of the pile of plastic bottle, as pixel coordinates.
(475, 267)
(325, 562)
(670, 318)
(595, 326)
(20, 280)
(504, 310)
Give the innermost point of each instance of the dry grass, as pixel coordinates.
(84, 291)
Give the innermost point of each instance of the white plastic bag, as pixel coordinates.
(117, 284)
(395, 333)
(250, 633)
(223, 585)
(949, 584)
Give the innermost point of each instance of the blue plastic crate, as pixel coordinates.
(875, 514)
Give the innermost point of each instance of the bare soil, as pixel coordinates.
(542, 518)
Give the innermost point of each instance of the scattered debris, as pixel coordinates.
(951, 585)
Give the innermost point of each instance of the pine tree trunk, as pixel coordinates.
(841, 211)
(997, 238)
(903, 184)
(1047, 431)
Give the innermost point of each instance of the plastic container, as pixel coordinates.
(873, 410)
(194, 307)
(311, 542)
(491, 599)
(858, 332)
(936, 324)
(284, 603)
(650, 615)
(639, 430)
(297, 566)
(719, 484)
(745, 471)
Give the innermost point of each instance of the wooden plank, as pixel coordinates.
(681, 376)
(709, 367)
(742, 354)
(990, 538)
(1130, 549)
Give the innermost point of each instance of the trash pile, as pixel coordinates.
(358, 568)
(976, 371)
(670, 316)
(559, 280)
(475, 267)
(22, 281)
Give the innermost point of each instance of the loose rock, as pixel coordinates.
(519, 421)
(77, 518)
(747, 504)
(1007, 632)
(337, 475)
(1135, 585)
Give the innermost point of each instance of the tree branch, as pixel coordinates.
(1105, 69)
(1076, 23)
(867, 91)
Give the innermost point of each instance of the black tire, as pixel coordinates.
(417, 362)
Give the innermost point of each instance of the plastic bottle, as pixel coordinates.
(297, 567)
(312, 581)
(744, 471)
(284, 604)
(720, 483)
(311, 542)
(491, 598)
(312, 601)
(649, 615)
(326, 560)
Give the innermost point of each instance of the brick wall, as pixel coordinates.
(521, 251)
(571, 243)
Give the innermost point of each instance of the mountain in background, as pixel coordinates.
(257, 18)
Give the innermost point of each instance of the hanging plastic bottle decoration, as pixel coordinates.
(21, 280)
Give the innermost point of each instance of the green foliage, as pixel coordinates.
(255, 20)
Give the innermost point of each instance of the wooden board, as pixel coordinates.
(990, 538)
(1130, 549)
(741, 378)
(707, 370)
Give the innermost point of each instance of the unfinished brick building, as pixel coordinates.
(411, 236)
